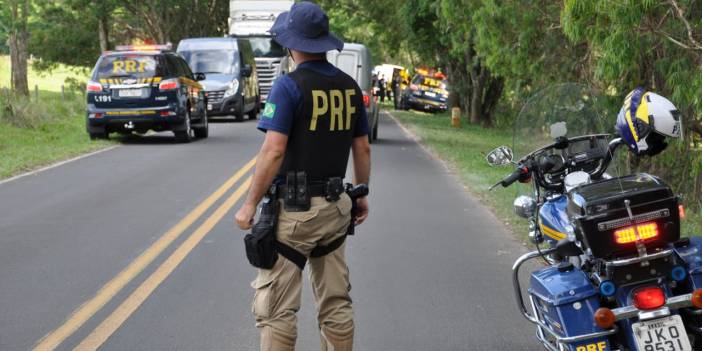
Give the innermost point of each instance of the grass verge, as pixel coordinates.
(37, 133)
(464, 150)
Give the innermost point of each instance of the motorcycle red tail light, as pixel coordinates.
(649, 298)
(628, 234)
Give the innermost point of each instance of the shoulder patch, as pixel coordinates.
(269, 111)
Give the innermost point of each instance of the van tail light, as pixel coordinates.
(649, 298)
(169, 84)
(627, 235)
(366, 99)
(93, 87)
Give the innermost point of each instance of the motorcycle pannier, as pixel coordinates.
(602, 220)
(564, 300)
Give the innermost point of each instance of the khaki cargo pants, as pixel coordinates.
(278, 290)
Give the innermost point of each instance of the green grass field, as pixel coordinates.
(37, 132)
(464, 150)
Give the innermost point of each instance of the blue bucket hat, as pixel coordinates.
(305, 28)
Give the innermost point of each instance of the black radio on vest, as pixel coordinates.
(324, 124)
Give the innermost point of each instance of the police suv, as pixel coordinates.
(141, 88)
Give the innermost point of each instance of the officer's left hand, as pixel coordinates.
(245, 216)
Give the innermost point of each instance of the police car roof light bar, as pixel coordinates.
(144, 47)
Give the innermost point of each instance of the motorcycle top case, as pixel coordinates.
(598, 210)
(566, 301)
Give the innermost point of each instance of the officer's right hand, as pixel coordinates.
(245, 216)
(362, 208)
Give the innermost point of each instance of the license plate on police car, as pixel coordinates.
(209, 107)
(129, 93)
(662, 334)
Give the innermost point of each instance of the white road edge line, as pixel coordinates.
(58, 164)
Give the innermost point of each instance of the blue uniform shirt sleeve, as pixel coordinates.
(361, 127)
(281, 105)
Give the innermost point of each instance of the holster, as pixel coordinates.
(261, 243)
(355, 192)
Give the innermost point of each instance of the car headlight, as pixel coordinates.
(232, 89)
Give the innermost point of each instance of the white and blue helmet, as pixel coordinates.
(645, 119)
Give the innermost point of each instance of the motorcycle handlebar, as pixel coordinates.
(510, 179)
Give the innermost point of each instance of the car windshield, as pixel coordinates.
(127, 66)
(266, 47)
(212, 61)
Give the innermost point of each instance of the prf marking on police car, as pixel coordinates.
(128, 66)
(340, 103)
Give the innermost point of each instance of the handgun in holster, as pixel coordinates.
(355, 192)
(261, 242)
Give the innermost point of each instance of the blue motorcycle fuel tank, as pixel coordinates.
(553, 219)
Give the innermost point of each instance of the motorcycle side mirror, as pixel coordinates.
(567, 248)
(500, 156)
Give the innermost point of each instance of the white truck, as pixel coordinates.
(251, 19)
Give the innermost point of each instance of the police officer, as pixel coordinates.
(313, 117)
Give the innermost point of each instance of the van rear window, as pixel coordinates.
(128, 65)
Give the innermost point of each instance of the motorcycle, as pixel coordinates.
(617, 274)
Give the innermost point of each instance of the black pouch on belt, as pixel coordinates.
(297, 196)
(260, 244)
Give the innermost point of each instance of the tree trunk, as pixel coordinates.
(18, 47)
(492, 96)
(103, 31)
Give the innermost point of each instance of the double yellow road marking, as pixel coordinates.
(114, 286)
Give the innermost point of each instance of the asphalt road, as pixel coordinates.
(134, 249)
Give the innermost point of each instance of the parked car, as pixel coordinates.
(355, 60)
(141, 88)
(426, 93)
(232, 83)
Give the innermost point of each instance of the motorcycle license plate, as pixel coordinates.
(665, 334)
(129, 93)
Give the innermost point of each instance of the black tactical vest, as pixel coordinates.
(322, 131)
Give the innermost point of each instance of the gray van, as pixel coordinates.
(231, 86)
(355, 60)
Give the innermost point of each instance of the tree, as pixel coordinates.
(18, 36)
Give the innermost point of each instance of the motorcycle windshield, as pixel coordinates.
(563, 110)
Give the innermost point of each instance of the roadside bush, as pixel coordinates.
(27, 112)
(20, 111)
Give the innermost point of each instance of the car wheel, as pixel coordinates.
(239, 113)
(185, 135)
(254, 111)
(204, 131)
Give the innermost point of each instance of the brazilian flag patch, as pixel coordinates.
(269, 111)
